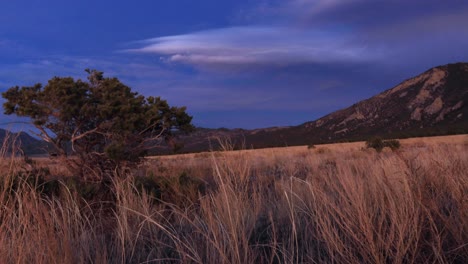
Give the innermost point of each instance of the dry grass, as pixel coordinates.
(330, 204)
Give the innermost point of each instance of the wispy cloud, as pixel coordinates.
(301, 8)
(257, 45)
(291, 12)
(283, 33)
(361, 13)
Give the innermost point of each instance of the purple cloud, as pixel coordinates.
(257, 45)
(296, 32)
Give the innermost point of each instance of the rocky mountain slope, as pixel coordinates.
(433, 100)
(432, 103)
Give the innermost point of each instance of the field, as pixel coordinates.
(337, 203)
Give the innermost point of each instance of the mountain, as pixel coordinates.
(432, 103)
(28, 144)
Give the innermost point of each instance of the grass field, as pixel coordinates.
(337, 203)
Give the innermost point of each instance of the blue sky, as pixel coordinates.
(240, 63)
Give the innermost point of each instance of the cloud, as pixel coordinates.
(289, 12)
(357, 12)
(357, 17)
(301, 8)
(257, 45)
(284, 33)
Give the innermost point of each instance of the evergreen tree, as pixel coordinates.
(100, 122)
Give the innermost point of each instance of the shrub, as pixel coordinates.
(148, 184)
(182, 190)
(378, 144)
(392, 143)
(35, 179)
(89, 191)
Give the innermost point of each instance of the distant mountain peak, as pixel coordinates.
(28, 144)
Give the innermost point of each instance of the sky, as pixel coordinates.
(234, 63)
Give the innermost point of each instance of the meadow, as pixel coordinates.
(337, 203)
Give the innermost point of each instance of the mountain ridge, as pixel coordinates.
(427, 99)
(431, 103)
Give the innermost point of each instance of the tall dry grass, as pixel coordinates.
(322, 205)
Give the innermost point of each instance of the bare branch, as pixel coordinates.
(74, 137)
(44, 135)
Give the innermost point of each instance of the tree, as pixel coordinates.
(100, 122)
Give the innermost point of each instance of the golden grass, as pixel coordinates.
(336, 203)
